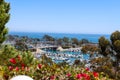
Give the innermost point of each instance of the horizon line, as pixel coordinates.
(58, 32)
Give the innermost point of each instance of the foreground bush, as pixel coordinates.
(42, 72)
(15, 63)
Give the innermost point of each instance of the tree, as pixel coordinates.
(115, 36)
(115, 40)
(83, 41)
(11, 37)
(90, 48)
(59, 41)
(115, 46)
(103, 44)
(112, 48)
(75, 41)
(21, 45)
(4, 18)
(66, 39)
(48, 38)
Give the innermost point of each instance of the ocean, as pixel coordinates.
(91, 37)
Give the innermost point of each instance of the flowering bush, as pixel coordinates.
(24, 63)
(48, 72)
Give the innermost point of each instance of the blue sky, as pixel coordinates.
(65, 16)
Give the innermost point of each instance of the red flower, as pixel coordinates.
(87, 69)
(39, 66)
(68, 75)
(10, 67)
(95, 74)
(85, 76)
(17, 69)
(12, 60)
(23, 65)
(52, 77)
(78, 76)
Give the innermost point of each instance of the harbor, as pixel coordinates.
(63, 55)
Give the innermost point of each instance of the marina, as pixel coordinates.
(69, 56)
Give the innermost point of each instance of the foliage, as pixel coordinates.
(75, 41)
(46, 60)
(65, 39)
(90, 48)
(15, 62)
(4, 17)
(78, 63)
(53, 72)
(108, 59)
(7, 52)
(110, 50)
(48, 38)
(59, 41)
(103, 44)
(21, 45)
(115, 46)
(83, 41)
(115, 39)
(21, 41)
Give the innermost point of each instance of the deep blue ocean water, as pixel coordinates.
(91, 37)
